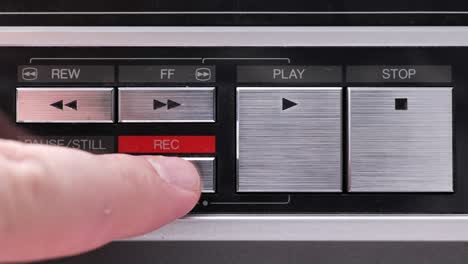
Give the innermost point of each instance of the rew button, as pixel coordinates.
(65, 105)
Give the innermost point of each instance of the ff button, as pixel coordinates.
(167, 105)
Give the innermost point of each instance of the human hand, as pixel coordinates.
(57, 202)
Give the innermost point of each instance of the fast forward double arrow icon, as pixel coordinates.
(59, 105)
(170, 104)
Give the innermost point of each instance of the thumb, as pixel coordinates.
(58, 202)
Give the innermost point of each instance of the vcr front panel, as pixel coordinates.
(302, 130)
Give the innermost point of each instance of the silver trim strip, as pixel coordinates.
(234, 36)
(232, 12)
(445, 228)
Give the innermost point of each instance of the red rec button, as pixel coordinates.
(167, 144)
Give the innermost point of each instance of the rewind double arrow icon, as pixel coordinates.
(59, 105)
(170, 104)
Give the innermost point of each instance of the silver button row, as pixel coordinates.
(399, 139)
(96, 105)
(290, 139)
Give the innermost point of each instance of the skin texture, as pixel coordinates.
(58, 202)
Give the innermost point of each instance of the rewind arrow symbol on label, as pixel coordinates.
(73, 105)
(59, 105)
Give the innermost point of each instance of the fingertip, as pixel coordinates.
(173, 195)
(177, 172)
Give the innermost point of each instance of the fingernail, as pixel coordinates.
(177, 172)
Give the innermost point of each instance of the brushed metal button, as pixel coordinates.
(64, 105)
(166, 105)
(289, 139)
(400, 139)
